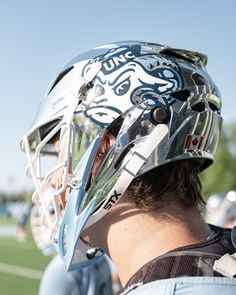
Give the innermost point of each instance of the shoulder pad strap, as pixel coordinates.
(226, 265)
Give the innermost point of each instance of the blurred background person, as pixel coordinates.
(22, 212)
(221, 209)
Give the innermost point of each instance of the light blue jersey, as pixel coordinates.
(186, 286)
(94, 279)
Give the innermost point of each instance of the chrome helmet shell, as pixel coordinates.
(159, 104)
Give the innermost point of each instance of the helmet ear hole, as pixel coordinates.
(160, 115)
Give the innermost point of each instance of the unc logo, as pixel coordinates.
(117, 61)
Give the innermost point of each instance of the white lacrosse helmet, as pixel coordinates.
(142, 104)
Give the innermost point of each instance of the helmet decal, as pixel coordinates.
(126, 71)
(193, 142)
(102, 114)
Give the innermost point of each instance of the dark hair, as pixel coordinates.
(174, 183)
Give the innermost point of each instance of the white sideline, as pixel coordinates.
(20, 271)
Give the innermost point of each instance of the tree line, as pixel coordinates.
(221, 177)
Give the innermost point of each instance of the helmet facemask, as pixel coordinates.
(49, 165)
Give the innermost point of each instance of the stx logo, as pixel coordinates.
(113, 199)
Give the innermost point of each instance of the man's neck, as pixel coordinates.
(140, 237)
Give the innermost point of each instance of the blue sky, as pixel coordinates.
(39, 37)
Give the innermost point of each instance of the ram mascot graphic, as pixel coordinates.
(116, 80)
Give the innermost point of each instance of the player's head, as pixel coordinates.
(111, 115)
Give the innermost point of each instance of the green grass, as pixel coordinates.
(20, 254)
(6, 220)
(11, 285)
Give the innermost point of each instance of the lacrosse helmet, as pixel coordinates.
(114, 113)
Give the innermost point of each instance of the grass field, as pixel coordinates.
(21, 265)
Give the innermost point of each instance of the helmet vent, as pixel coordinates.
(198, 79)
(59, 77)
(199, 107)
(213, 107)
(181, 95)
(189, 56)
(176, 55)
(47, 128)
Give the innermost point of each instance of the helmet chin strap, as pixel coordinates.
(130, 170)
(69, 242)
